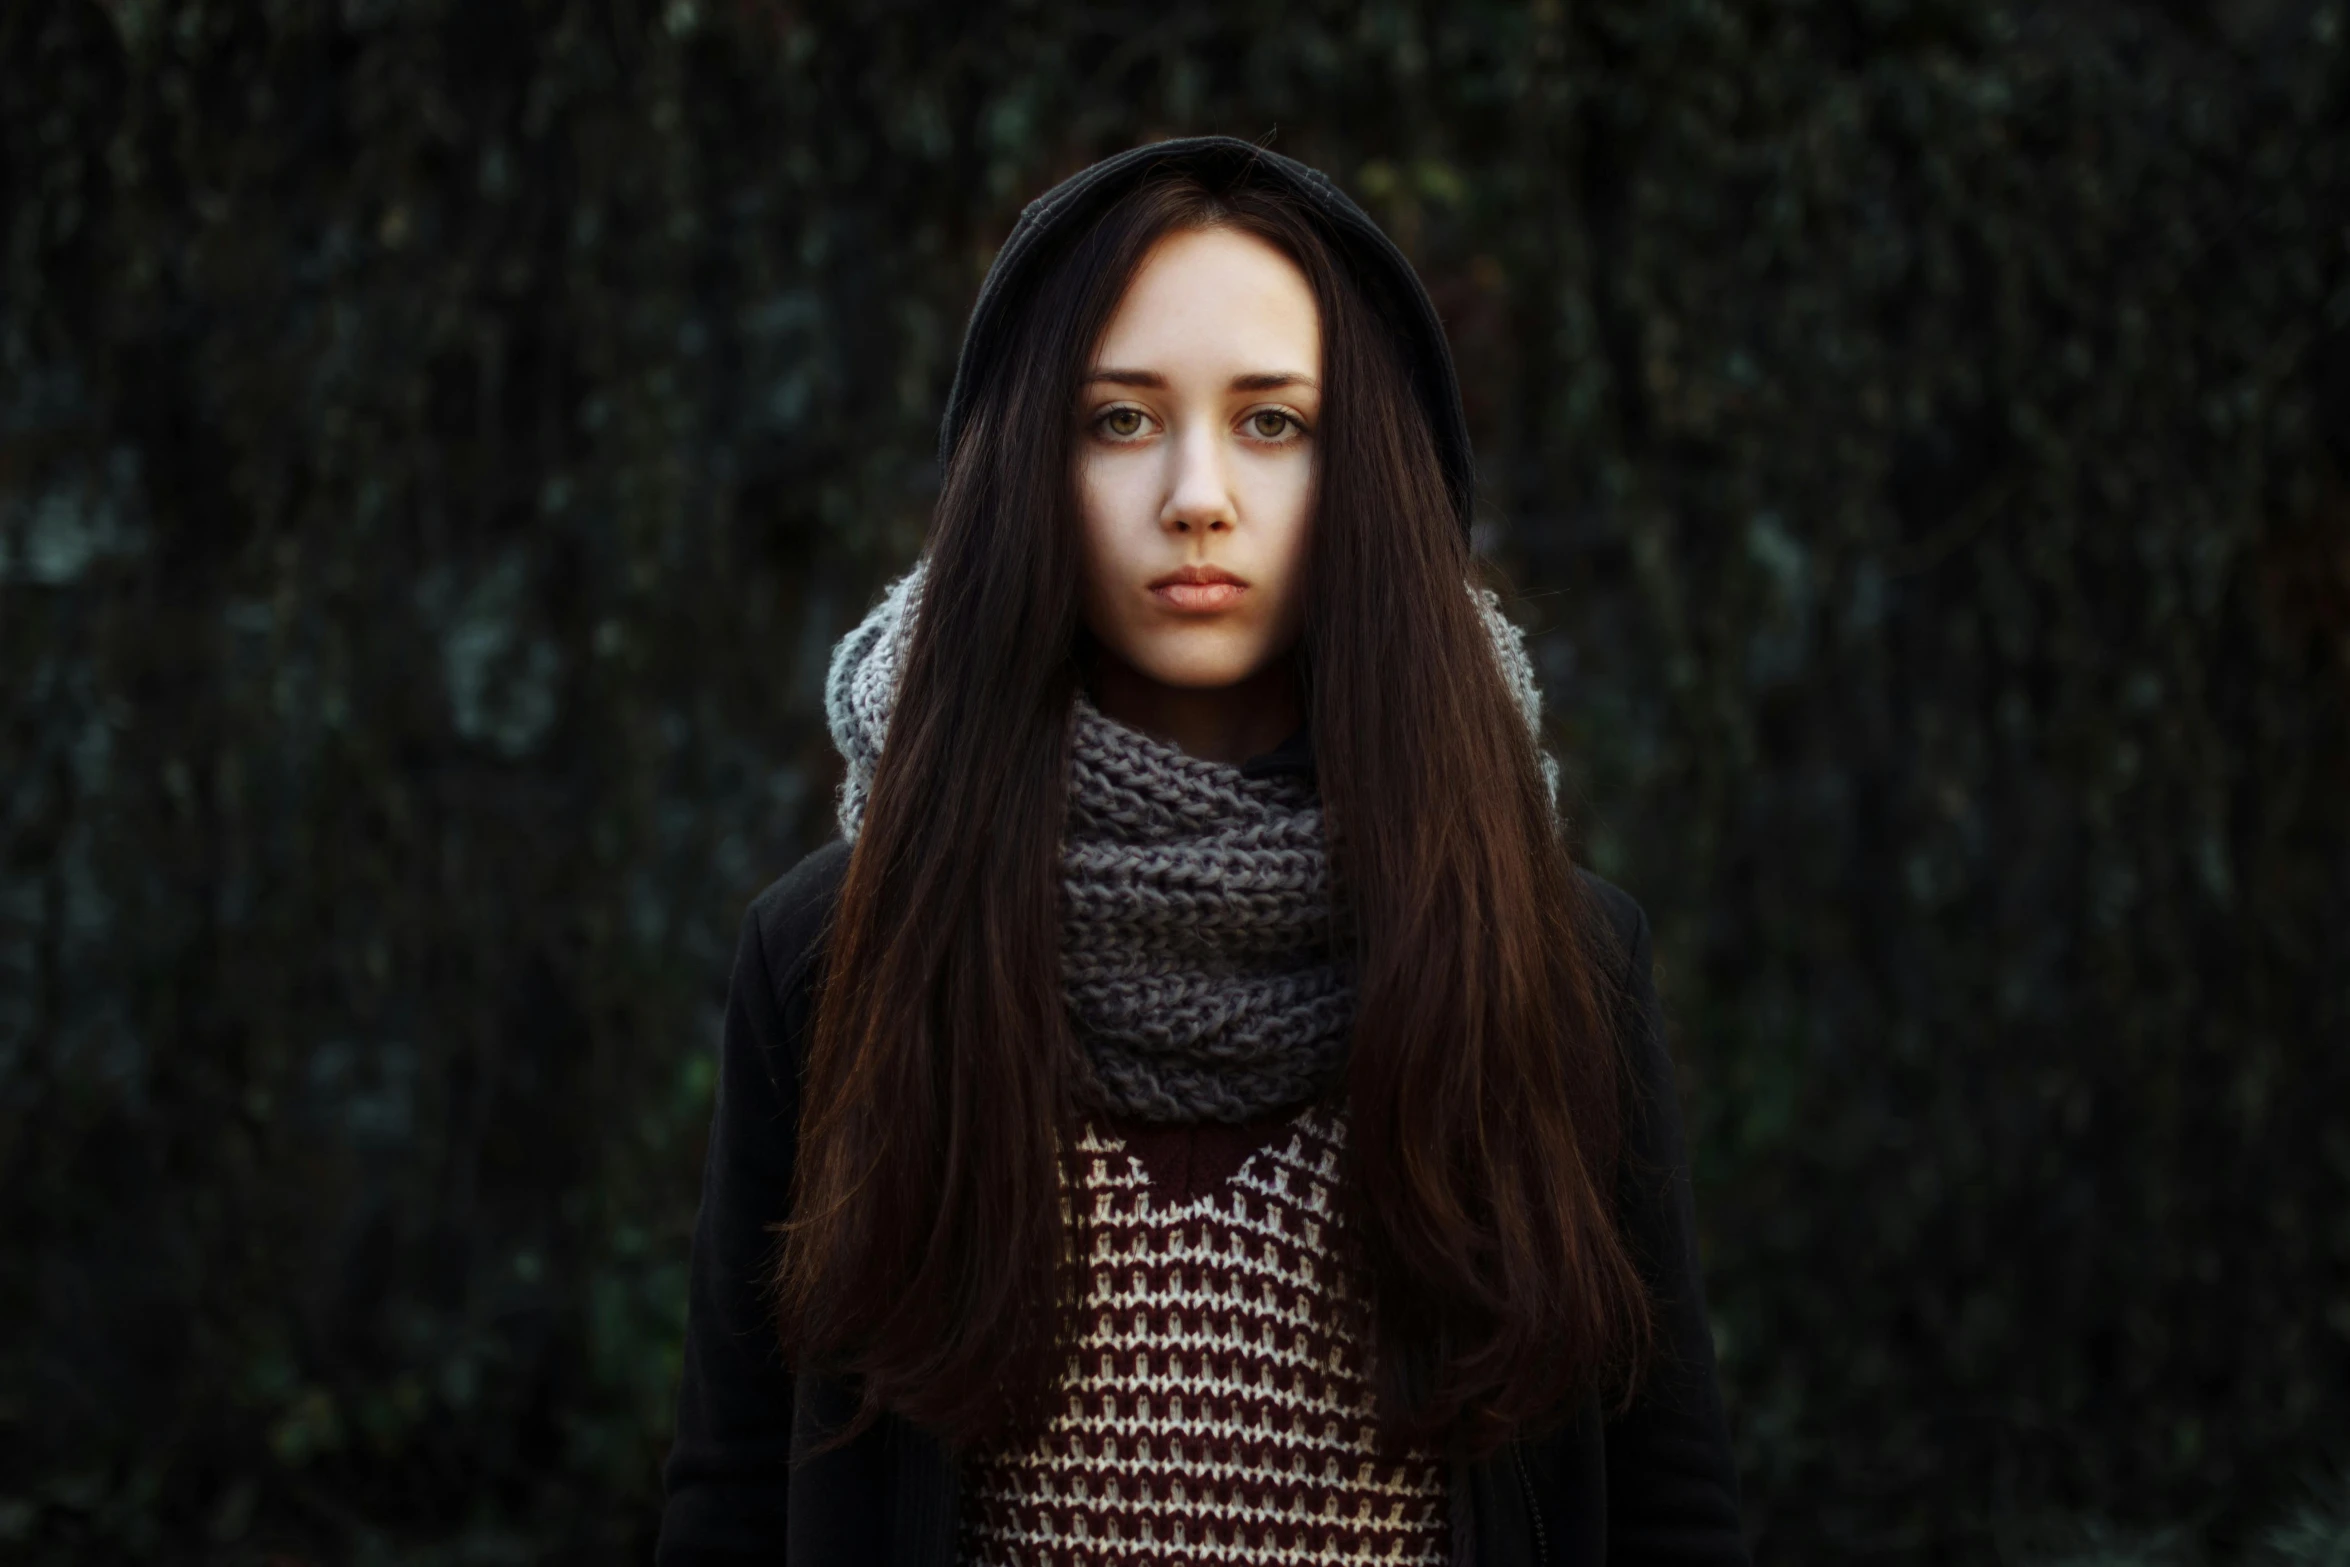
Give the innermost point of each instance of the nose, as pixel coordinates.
(1199, 491)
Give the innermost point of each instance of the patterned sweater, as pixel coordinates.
(1217, 1408)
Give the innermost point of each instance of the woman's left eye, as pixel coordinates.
(1271, 424)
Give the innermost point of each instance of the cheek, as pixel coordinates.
(1110, 495)
(1106, 504)
(1284, 509)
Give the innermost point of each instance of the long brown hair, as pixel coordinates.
(928, 1253)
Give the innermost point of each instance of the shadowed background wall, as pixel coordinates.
(439, 443)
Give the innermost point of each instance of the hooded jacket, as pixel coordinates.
(1654, 1483)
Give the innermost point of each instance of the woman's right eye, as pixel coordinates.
(1121, 424)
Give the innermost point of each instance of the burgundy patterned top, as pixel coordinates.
(1217, 1408)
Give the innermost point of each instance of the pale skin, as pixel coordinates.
(1195, 481)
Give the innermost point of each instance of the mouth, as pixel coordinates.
(1198, 589)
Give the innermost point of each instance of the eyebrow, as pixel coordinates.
(1261, 381)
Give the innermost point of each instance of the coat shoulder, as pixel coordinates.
(795, 911)
(1615, 919)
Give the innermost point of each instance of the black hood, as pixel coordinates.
(1223, 162)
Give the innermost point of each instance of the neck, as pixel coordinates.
(1215, 723)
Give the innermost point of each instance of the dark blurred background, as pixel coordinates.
(439, 443)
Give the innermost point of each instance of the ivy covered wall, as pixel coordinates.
(439, 443)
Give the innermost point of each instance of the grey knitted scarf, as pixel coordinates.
(1196, 954)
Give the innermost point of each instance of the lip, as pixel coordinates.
(1198, 589)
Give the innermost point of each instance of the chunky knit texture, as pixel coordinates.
(1217, 1407)
(1195, 930)
(1196, 906)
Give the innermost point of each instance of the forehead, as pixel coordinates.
(1216, 296)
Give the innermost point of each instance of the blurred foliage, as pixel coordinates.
(2315, 1533)
(439, 443)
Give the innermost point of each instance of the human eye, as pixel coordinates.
(1275, 426)
(1121, 422)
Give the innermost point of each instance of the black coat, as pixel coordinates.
(1653, 1485)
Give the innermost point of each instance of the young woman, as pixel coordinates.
(1196, 1113)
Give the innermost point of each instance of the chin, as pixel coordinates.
(1199, 669)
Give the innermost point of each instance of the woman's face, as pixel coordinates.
(1195, 461)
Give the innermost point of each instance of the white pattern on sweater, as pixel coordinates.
(1216, 1407)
